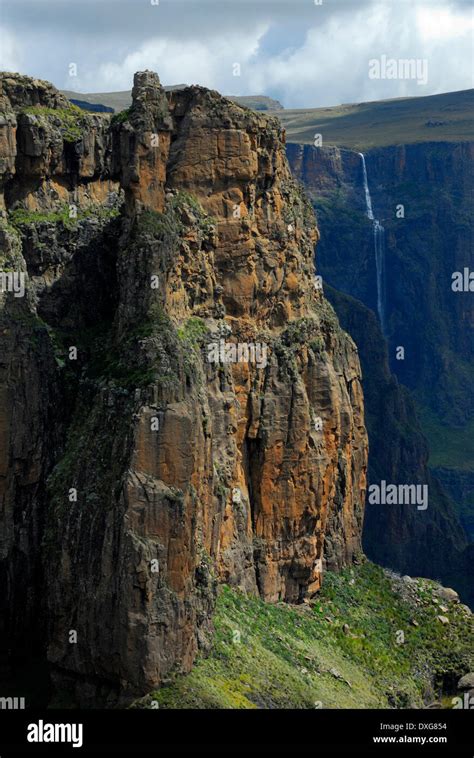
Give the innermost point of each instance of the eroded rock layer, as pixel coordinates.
(141, 466)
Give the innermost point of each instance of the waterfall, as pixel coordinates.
(379, 248)
(368, 200)
(379, 245)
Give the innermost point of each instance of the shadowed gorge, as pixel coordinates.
(417, 381)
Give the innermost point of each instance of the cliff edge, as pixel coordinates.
(179, 404)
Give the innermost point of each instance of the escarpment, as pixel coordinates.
(180, 406)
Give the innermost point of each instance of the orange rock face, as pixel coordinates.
(235, 449)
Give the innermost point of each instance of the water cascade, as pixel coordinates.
(379, 248)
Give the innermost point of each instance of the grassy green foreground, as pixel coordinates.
(343, 650)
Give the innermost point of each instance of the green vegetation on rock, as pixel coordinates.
(193, 331)
(23, 217)
(120, 117)
(70, 120)
(160, 225)
(341, 650)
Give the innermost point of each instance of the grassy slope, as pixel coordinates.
(257, 102)
(449, 447)
(453, 449)
(300, 656)
(357, 126)
(119, 101)
(385, 122)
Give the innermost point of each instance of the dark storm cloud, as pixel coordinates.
(135, 19)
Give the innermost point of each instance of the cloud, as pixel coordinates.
(10, 59)
(332, 64)
(302, 54)
(211, 64)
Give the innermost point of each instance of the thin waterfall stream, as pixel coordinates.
(379, 248)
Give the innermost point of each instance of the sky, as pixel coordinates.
(302, 53)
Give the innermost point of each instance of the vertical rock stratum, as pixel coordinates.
(136, 474)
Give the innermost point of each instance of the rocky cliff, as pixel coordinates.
(420, 193)
(180, 406)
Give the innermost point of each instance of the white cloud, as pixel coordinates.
(10, 60)
(301, 54)
(332, 65)
(194, 62)
(444, 23)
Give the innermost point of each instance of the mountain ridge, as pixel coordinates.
(442, 117)
(121, 100)
(381, 123)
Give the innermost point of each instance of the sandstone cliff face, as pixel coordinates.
(137, 474)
